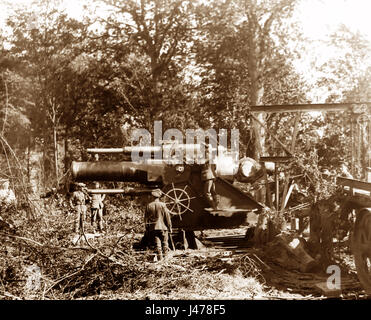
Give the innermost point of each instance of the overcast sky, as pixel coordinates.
(318, 17)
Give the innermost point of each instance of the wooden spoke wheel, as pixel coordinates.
(361, 247)
(178, 200)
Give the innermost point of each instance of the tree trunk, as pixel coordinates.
(44, 158)
(28, 159)
(364, 145)
(55, 154)
(66, 159)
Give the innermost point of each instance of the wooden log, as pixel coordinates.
(307, 263)
(358, 201)
(290, 252)
(353, 183)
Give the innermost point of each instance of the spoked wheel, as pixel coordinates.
(361, 247)
(178, 200)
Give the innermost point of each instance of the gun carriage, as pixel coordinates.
(180, 183)
(182, 186)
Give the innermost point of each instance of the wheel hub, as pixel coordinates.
(178, 200)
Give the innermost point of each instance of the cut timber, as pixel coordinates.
(359, 201)
(297, 248)
(290, 253)
(363, 185)
(331, 293)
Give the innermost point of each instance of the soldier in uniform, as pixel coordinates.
(78, 201)
(208, 177)
(97, 209)
(158, 224)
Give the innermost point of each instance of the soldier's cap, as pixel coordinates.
(80, 184)
(156, 193)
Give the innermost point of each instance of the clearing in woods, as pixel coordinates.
(230, 268)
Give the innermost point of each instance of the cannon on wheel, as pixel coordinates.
(181, 185)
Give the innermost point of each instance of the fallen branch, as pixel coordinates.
(44, 245)
(7, 294)
(70, 275)
(21, 238)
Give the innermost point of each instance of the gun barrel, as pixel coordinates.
(105, 150)
(125, 150)
(128, 191)
(147, 149)
(107, 171)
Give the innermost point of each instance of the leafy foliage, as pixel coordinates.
(68, 84)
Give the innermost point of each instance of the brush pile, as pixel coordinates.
(39, 260)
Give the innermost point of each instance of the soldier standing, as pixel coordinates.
(208, 177)
(158, 224)
(77, 201)
(97, 209)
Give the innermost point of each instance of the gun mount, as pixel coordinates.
(181, 186)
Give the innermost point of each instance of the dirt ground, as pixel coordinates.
(107, 268)
(228, 268)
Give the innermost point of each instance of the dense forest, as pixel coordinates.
(70, 84)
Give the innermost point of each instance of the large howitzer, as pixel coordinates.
(180, 183)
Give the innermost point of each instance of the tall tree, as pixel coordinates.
(158, 32)
(343, 77)
(244, 55)
(44, 42)
(261, 21)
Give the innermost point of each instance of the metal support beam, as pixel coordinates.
(272, 134)
(353, 183)
(276, 177)
(278, 159)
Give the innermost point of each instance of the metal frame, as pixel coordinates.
(354, 107)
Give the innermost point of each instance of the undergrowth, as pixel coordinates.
(39, 260)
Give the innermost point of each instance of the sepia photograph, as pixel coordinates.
(186, 155)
